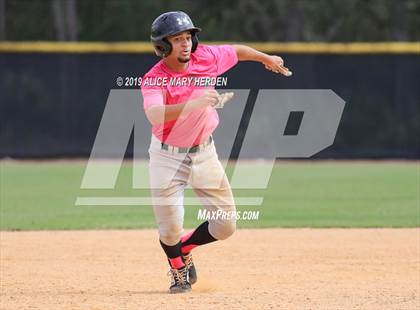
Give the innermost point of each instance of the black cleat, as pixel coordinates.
(191, 268)
(179, 281)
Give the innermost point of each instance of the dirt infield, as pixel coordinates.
(255, 269)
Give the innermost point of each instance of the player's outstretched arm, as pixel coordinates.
(271, 62)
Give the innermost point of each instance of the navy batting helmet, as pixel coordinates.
(169, 24)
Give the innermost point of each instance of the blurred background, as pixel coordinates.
(245, 20)
(60, 59)
(53, 96)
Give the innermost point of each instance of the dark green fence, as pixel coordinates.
(51, 103)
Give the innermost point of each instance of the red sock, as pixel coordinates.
(197, 237)
(174, 254)
(187, 248)
(176, 262)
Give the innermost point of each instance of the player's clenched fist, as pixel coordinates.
(209, 98)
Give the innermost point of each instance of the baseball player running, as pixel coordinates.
(182, 150)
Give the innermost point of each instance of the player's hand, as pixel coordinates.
(276, 64)
(209, 98)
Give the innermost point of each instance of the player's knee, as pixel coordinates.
(228, 231)
(170, 234)
(224, 229)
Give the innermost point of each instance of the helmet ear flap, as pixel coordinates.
(194, 40)
(163, 48)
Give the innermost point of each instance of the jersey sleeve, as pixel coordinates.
(152, 96)
(225, 56)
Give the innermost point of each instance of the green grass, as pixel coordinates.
(306, 194)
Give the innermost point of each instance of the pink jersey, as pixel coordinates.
(195, 127)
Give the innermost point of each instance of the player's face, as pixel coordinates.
(181, 46)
